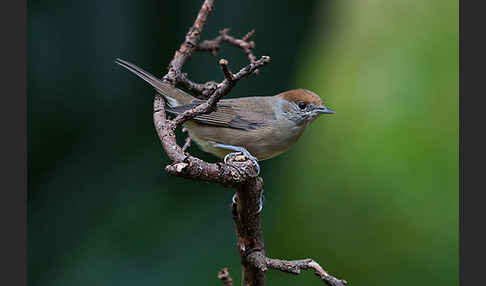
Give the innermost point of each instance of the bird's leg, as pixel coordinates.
(234, 200)
(238, 149)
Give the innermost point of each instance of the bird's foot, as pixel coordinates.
(262, 198)
(238, 149)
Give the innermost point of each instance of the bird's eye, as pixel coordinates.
(302, 105)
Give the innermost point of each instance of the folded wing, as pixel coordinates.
(242, 113)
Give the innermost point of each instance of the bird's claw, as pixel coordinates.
(247, 155)
(238, 150)
(262, 198)
(234, 200)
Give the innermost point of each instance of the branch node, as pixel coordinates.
(228, 75)
(257, 259)
(177, 167)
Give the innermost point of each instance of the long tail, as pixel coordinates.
(174, 96)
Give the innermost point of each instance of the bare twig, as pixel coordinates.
(214, 45)
(225, 277)
(260, 261)
(191, 44)
(223, 89)
(294, 266)
(227, 73)
(187, 143)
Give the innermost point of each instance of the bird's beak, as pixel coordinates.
(324, 110)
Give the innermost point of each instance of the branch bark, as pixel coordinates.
(248, 228)
(236, 173)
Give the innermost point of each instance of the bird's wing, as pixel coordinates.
(243, 113)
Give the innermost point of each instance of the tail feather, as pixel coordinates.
(174, 96)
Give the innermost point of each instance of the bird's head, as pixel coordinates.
(301, 105)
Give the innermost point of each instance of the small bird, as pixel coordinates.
(260, 127)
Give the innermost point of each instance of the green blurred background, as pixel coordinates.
(371, 192)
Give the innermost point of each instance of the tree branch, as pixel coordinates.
(223, 89)
(248, 229)
(237, 173)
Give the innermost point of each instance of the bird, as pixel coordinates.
(260, 127)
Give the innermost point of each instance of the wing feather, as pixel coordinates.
(247, 115)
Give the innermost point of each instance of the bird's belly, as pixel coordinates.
(264, 144)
